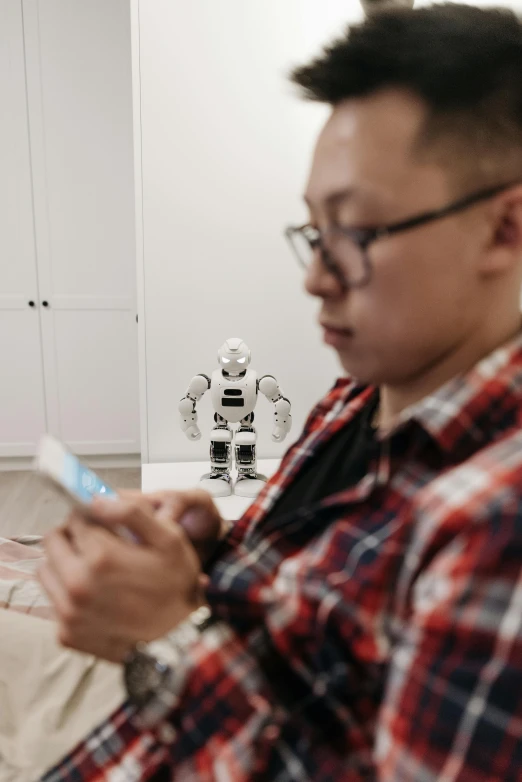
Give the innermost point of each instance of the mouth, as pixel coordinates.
(334, 336)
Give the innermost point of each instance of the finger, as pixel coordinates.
(175, 505)
(194, 509)
(135, 495)
(130, 494)
(196, 513)
(200, 526)
(77, 514)
(69, 568)
(60, 552)
(56, 591)
(181, 498)
(72, 515)
(151, 500)
(155, 499)
(93, 542)
(134, 516)
(204, 581)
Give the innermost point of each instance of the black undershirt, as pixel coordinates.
(340, 464)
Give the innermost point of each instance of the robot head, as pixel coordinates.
(234, 356)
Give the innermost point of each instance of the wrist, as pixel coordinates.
(153, 670)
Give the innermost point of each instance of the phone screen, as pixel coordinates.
(82, 482)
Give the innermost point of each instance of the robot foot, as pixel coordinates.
(216, 484)
(249, 485)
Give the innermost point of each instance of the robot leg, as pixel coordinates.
(249, 482)
(218, 481)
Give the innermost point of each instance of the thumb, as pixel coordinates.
(193, 509)
(200, 526)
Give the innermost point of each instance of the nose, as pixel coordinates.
(320, 281)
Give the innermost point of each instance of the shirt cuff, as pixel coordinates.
(167, 696)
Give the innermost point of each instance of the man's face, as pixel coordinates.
(424, 297)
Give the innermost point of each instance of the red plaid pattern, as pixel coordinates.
(374, 636)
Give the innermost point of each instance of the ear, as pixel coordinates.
(505, 250)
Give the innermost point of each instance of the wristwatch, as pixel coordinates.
(150, 665)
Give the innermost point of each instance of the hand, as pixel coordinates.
(278, 434)
(194, 510)
(193, 432)
(110, 593)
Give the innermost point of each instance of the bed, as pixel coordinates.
(50, 697)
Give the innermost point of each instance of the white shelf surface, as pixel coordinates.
(186, 475)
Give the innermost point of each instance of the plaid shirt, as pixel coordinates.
(374, 636)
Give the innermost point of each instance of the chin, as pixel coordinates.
(358, 370)
(352, 368)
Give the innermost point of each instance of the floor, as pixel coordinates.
(28, 506)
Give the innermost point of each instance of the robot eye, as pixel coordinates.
(225, 360)
(241, 360)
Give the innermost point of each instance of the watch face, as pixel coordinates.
(143, 677)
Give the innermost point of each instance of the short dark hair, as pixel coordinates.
(464, 62)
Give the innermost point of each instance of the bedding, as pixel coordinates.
(50, 697)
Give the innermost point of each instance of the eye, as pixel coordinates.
(241, 360)
(312, 235)
(225, 360)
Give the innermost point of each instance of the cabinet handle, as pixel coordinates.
(31, 303)
(45, 303)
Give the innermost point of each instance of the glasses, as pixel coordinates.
(344, 251)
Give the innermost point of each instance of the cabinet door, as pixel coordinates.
(22, 414)
(80, 103)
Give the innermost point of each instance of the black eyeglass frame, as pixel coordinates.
(364, 237)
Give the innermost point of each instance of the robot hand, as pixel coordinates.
(278, 434)
(282, 420)
(269, 386)
(189, 419)
(193, 432)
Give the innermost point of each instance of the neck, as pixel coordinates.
(396, 398)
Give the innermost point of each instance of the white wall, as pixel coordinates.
(224, 153)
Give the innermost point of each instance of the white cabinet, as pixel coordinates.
(79, 83)
(22, 416)
(22, 410)
(70, 363)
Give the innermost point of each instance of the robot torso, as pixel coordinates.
(233, 398)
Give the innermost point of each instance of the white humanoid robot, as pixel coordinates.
(234, 389)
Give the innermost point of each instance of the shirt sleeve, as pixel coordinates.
(238, 717)
(219, 718)
(453, 705)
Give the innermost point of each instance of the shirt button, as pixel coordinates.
(320, 687)
(257, 702)
(271, 732)
(166, 733)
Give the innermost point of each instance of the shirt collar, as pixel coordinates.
(469, 407)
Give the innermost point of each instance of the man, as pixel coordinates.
(366, 613)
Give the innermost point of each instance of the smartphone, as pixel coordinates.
(67, 474)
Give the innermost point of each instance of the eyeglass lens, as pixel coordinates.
(342, 253)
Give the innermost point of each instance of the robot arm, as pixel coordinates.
(269, 386)
(187, 406)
